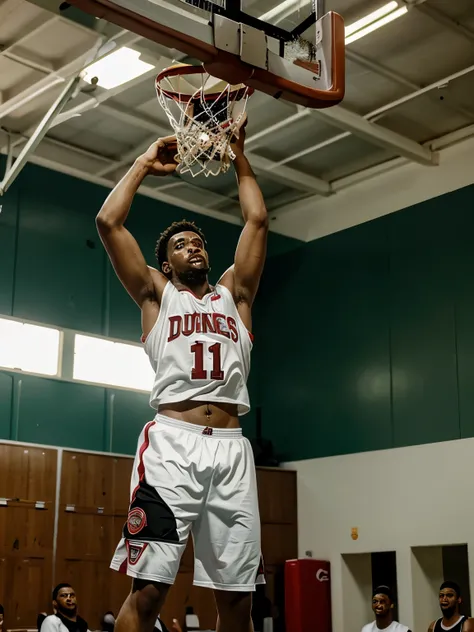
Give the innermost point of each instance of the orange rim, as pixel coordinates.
(175, 71)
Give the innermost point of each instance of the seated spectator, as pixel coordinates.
(108, 622)
(450, 601)
(65, 618)
(39, 620)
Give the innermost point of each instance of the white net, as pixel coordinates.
(205, 114)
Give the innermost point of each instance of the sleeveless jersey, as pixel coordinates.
(393, 627)
(457, 627)
(199, 349)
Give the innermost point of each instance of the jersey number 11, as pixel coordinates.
(198, 371)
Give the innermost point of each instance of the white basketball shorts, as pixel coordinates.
(187, 478)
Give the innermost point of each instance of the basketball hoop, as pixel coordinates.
(205, 114)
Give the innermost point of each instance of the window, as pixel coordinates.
(114, 363)
(31, 348)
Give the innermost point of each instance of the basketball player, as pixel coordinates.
(193, 468)
(382, 606)
(450, 601)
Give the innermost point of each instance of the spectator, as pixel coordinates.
(382, 606)
(2, 612)
(65, 618)
(449, 601)
(108, 622)
(39, 620)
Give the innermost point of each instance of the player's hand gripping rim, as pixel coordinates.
(160, 157)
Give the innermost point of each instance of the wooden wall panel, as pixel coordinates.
(28, 590)
(122, 472)
(277, 495)
(87, 480)
(96, 487)
(27, 475)
(279, 543)
(3, 590)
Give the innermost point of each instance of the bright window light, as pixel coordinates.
(117, 68)
(29, 348)
(367, 25)
(114, 363)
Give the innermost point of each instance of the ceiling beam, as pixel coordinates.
(441, 18)
(376, 134)
(287, 175)
(157, 193)
(347, 182)
(63, 73)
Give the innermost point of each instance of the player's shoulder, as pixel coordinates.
(51, 622)
(468, 625)
(369, 627)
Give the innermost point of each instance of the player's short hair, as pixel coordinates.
(2, 611)
(383, 590)
(161, 249)
(58, 588)
(451, 585)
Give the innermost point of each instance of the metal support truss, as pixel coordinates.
(40, 132)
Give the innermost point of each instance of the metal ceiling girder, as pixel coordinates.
(289, 176)
(441, 18)
(157, 193)
(38, 135)
(371, 172)
(62, 74)
(377, 135)
(69, 91)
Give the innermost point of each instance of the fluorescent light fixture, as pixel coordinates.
(372, 17)
(117, 68)
(374, 21)
(280, 8)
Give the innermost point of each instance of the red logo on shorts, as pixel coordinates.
(136, 520)
(207, 431)
(135, 551)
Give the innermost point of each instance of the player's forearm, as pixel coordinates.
(115, 209)
(250, 195)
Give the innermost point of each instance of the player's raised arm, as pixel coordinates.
(122, 248)
(252, 247)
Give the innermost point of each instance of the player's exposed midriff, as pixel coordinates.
(214, 415)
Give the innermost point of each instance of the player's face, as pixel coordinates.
(66, 601)
(381, 605)
(186, 253)
(448, 601)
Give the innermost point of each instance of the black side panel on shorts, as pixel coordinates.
(150, 518)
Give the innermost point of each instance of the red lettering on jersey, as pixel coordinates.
(175, 327)
(220, 325)
(234, 334)
(207, 324)
(189, 323)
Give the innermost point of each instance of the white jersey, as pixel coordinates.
(199, 349)
(393, 627)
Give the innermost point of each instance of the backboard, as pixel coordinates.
(281, 47)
